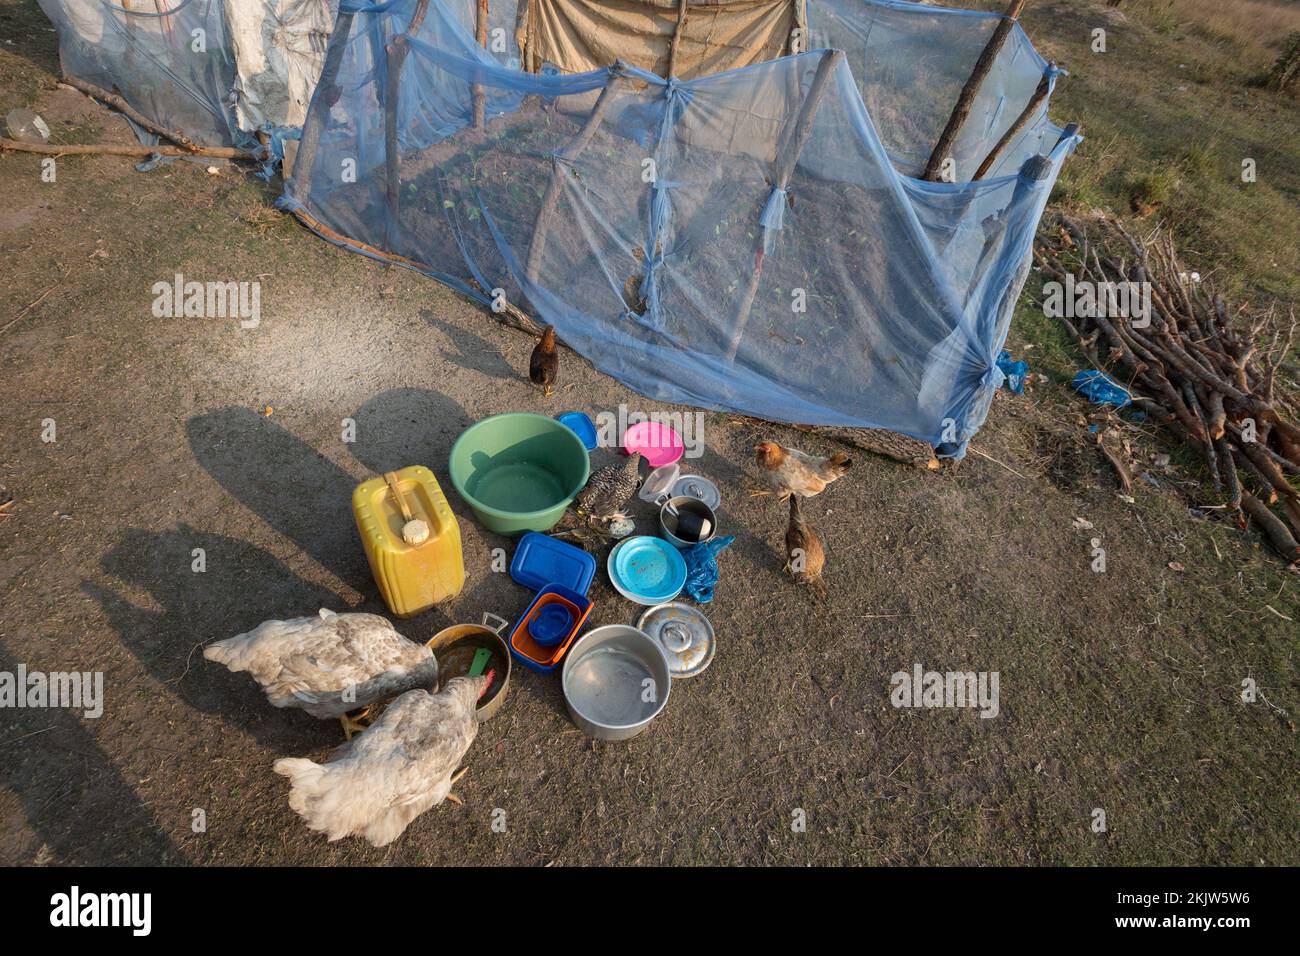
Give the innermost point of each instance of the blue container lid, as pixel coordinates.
(580, 424)
(541, 560)
(551, 625)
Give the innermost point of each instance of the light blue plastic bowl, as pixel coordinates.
(647, 570)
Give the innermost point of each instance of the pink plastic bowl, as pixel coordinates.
(657, 442)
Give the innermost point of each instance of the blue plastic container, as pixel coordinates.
(551, 625)
(580, 424)
(545, 658)
(541, 560)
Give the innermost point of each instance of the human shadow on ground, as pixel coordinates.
(242, 586)
(408, 426)
(472, 352)
(285, 482)
(73, 796)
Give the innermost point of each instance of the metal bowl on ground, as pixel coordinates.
(455, 647)
(685, 522)
(604, 681)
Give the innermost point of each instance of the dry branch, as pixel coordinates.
(125, 108)
(105, 149)
(1204, 370)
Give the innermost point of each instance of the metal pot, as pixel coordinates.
(684, 504)
(616, 680)
(454, 649)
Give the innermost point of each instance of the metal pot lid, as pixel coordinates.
(658, 483)
(697, 486)
(685, 635)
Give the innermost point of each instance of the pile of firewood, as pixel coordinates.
(1208, 372)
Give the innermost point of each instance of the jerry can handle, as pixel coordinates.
(390, 478)
(495, 622)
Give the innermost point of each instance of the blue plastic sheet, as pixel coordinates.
(702, 567)
(1015, 373)
(174, 67)
(1100, 389)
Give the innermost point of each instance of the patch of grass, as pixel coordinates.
(1154, 186)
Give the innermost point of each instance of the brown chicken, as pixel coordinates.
(793, 472)
(544, 364)
(805, 558)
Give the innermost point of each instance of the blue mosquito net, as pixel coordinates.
(754, 239)
(750, 234)
(170, 60)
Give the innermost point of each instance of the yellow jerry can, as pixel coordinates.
(411, 538)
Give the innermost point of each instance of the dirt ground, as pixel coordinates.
(1119, 691)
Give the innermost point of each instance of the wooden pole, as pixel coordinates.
(677, 37)
(785, 168)
(537, 246)
(54, 149)
(125, 108)
(397, 50)
(966, 100)
(481, 34)
(1040, 94)
(318, 110)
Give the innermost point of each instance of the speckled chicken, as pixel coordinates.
(793, 472)
(377, 783)
(330, 664)
(544, 363)
(608, 490)
(805, 557)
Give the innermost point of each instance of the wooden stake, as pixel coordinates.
(537, 246)
(397, 51)
(785, 168)
(677, 37)
(1040, 94)
(326, 95)
(966, 100)
(125, 108)
(480, 97)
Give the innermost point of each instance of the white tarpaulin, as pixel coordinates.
(279, 47)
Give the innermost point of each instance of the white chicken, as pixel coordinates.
(377, 783)
(328, 665)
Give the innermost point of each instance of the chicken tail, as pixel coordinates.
(336, 800)
(238, 653)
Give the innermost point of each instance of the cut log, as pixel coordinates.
(1273, 527)
(880, 441)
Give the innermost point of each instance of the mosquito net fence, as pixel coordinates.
(754, 237)
(719, 202)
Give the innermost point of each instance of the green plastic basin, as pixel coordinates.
(518, 471)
